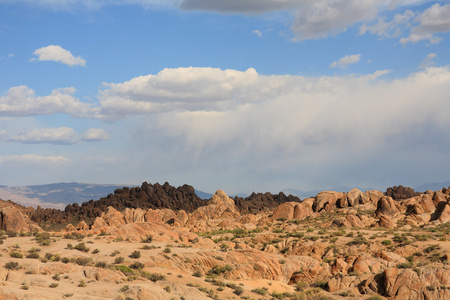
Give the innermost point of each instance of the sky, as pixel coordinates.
(255, 95)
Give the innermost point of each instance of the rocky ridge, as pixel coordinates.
(365, 244)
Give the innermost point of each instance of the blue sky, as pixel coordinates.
(238, 95)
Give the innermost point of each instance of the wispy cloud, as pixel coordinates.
(31, 158)
(58, 54)
(257, 33)
(428, 61)
(345, 61)
(434, 20)
(56, 136)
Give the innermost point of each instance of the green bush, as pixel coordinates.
(16, 254)
(12, 265)
(135, 254)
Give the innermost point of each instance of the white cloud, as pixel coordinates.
(393, 28)
(58, 54)
(56, 136)
(435, 19)
(180, 89)
(346, 60)
(31, 158)
(95, 134)
(61, 136)
(428, 61)
(21, 101)
(257, 33)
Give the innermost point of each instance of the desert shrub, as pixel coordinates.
(53, 285)
(219, 270)
(33, 255)
(12, 265)
(124, 288)
(82, 247)
(82, 283)
(320, 284)
(386, 242)
(74, 236)
(168, 289)
(260, 291)
(238, 290)
(431, 248)
(95, 251)
(148, 239)
(56, 277)
(10, 233)
(16, 254)
(405, 265)
(167, 250)
(43, 238)
(135, 254)
(124, 269)
(118, 260)
(197, 273)
(137, 265)
(101, 264)
(115, 253)
(83, 261)
(52, 257)
(153, 276)
(65, 260)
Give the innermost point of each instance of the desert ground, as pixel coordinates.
(373, 247)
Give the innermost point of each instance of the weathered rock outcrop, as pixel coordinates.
(12, 219)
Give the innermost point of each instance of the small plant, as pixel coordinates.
(83, 261)
(82, 247)
(386, 242)
(167, 250)
(260, 291)
(82, 283)
(148, 239)
(16, 254)
(95, 251)
(101, 264)
(12, 265)
(153, 276)
(118, 260)
(53, 285)
(137, 265)
(115, 253)
(56, 277)
(168, 289)
(124, 288)
(135, 254)
(197, 273)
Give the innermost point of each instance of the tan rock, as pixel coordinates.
(82, 226)
(386, 222)
(387, 206)
(12, 219)
(339, 266)
(69, 227)
(324, 198)
(355, 221)
(112, 217)
(354, 197)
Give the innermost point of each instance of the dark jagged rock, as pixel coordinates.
(260, 202)
(401, 192)
(154, 196)
(147, 196)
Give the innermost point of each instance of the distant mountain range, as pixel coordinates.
(58, 195)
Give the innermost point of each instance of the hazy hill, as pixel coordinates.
(56, 195)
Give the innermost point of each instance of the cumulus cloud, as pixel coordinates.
(56, 136)
(58, 54)
(31, 158)
(346, 60)
(21, 101)
(435, 19)
(95, 134)
(289, 122)
(180, 89)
